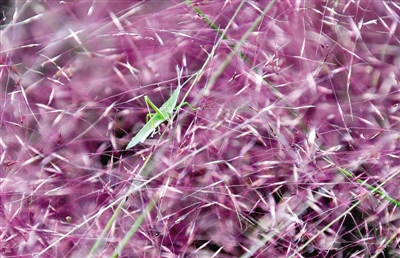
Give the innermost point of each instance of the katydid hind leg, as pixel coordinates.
(149, 117)
(158, 112)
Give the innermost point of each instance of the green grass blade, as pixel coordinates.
(372, 189)
(134, 228)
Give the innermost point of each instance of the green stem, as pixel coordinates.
(208, 21)
(134, 228)
(374, 190)
(99, 240)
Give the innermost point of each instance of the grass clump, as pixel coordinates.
(291, 152)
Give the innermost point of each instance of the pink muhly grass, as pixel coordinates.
(292, 151)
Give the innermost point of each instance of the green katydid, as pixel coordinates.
(161, 115)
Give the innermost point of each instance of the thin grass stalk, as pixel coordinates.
(134, 228)
(372, 189)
